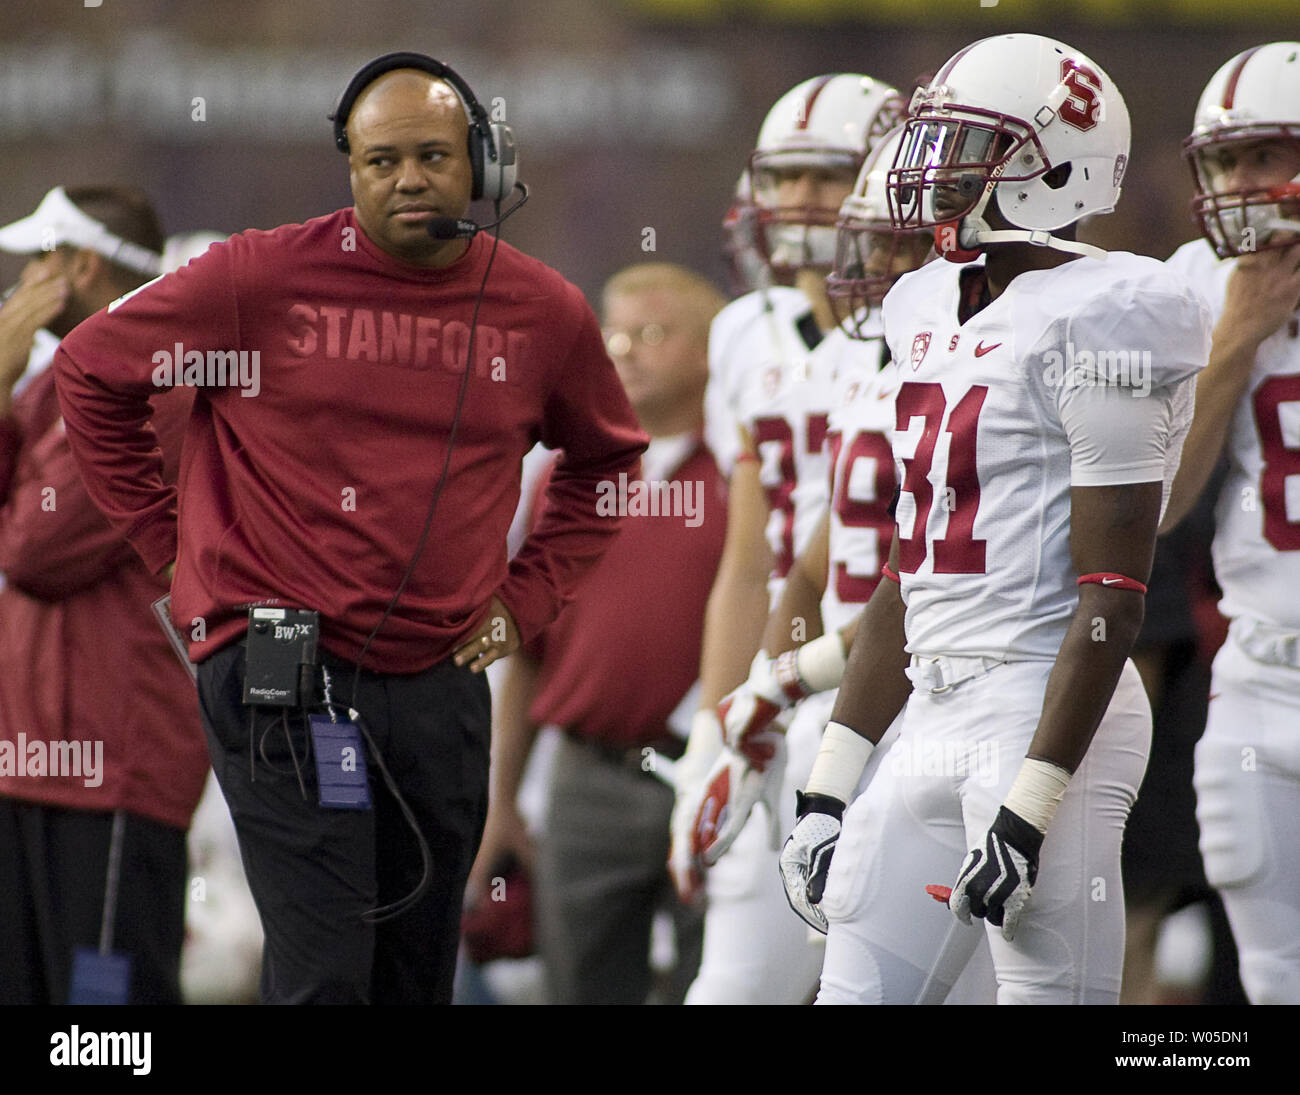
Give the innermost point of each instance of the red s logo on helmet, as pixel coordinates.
(1082, 109)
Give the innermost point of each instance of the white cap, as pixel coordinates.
(57, 221)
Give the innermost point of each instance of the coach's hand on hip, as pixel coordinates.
(494, 638)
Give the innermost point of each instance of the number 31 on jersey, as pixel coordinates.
(957, 551)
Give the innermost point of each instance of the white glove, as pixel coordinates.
(773, 686)
(731, 789)
(806, 857)
(995, 881)
(690, 775)
(748, 712)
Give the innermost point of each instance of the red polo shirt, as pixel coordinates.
(622, 654)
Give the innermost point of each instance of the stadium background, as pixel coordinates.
(630, 114)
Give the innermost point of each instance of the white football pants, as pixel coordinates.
(933, 800)
(1248, 808)
(757, 950)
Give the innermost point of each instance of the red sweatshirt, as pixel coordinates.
(312, 492)
(83, 662)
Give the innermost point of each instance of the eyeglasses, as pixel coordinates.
(619, 343)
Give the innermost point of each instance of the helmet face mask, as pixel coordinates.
(869, 258)
(790, 235)
(870, 254)
(946, 164)
(1240, 220)
(745, 268)
(1244, 152)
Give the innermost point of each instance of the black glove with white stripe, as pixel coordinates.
(995, 881)
(806, 857)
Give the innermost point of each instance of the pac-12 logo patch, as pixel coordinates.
(1121, 162)
(920, 344)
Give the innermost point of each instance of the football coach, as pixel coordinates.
(367, 384)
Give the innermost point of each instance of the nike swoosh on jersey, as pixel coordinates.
(981, 349)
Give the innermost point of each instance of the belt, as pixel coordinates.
(942, 673)
(632, 756)
(1266, 643)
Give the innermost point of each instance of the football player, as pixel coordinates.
(1245, 153)
(1044, 397)
(809, 631)
(769, 388)
(838, 571)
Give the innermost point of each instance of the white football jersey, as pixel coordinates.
(1080, 375)
(862, 476)
(1257, 519)
(765, 378)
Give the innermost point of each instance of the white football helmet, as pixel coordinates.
(870, 254)
(745, 268)
(826, 123)
(1254, 97)
(1021, 117)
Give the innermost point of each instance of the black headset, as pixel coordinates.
(492, 158)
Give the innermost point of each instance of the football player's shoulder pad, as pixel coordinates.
(1139, 305)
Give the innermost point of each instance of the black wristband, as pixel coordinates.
(818, 804)
(1017, 832)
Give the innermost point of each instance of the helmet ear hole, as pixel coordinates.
(1057, 177)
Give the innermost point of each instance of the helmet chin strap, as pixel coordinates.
(974, 234)
(1041, 239)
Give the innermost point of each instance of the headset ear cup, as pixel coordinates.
(478, 160)
(339, 118)
(500, 172)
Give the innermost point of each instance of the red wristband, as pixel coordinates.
(888, 572)
(1114, 581)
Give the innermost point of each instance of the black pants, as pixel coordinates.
(313, 871)
(53, 869)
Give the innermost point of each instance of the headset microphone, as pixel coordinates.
(449, 228)
(455, 228)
